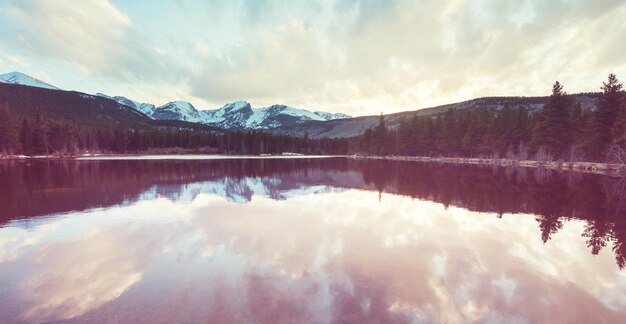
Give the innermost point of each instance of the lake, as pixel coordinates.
(308, 240)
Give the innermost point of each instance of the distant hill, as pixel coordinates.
(356, 126)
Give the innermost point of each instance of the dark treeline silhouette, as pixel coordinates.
(56, 186)
(41, 136)
(562, 129)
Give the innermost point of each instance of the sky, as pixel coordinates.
(356, 57)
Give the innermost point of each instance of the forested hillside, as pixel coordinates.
(561, 129)
(36, 121)
(589, 127)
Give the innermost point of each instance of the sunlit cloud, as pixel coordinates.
(359, 57)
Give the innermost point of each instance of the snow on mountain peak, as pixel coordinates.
(236, 105)
(177, 110)
(23, 79)
(331, 116)
(146, 108)
(235, 115)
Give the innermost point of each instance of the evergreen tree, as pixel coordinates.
(604, 118)
(9, 137)
(552, 129)
(26, 137)
(380, 137)
(449, 139)
(40, 136)
(618, 98)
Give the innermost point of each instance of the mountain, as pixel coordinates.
(146, 108)
(356, 126)
(331, 116)
(78, 107)
(23, 79)
(278, 119)
(177, 110)
(238, 115)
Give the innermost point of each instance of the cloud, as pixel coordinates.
(414, 53)
(360, 57)
(306, 257)
(92, 35)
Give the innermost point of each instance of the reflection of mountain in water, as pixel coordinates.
(238, 190)
(49, 187)
(60, 186)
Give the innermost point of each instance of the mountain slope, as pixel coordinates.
(177, 110)
(240, 115)
(60, 105)
(23, 79)
(358, 125)
(146, 108)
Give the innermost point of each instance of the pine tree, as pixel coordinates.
(604, 118)
(9, 137)
(618, 98)
(449, 141)
(26, 137)
(552, 130)
(380, 137)
(40, 136)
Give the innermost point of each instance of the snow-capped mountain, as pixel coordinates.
(177, 110)
(23, 79)
(331, 116)
(146, 108)
(238, 115)
(235, 115)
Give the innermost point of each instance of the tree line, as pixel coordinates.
(40, 136)
(562, 129)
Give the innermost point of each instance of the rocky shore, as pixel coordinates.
(588, 167)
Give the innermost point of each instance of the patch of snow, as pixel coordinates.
(177, 110)
(145, 108)
(23, 79)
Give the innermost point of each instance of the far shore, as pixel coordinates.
(587, 167)
(147, 156)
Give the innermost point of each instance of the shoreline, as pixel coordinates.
(95, 157)
(618, 170)
(584, 167)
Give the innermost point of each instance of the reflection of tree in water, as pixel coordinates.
(554, 197)
(46, 187)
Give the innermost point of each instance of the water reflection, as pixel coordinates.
(304, 240)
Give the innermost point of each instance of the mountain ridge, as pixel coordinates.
(285, 120)
(237, 115)
(23, 79)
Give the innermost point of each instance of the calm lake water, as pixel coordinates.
(308, 240)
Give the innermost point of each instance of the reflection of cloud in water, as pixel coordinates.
(327, 257)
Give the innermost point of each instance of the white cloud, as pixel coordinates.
(92, 35)
(338, 55)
